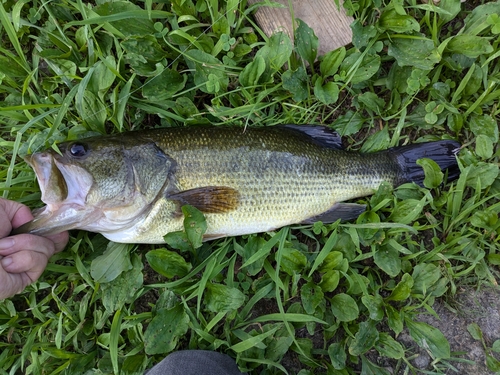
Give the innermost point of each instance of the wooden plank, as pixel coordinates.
(331, 25)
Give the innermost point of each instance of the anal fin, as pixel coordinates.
(209, 199)
(342, 211)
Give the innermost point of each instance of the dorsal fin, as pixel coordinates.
(209, 199)
(321, 135)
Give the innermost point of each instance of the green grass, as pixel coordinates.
(321, 298)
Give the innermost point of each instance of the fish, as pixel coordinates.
(131, 186)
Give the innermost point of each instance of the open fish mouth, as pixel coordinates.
(52, 183)
(64, 188)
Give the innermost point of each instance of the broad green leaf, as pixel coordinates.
(469, 45)
(279, 50)
(167, 300)
(484, 172)
(496, 346)
(143, 53)
(429, 338)
(332, 261)
(204, 65)
(364, 69)
(331, 61)
(275, 53)
(241, 50)
(484, 146)
(145, 46)
(369, 235)
(330, 281)
(348, 123)
(377, 141)
(477, 20)
(164, 85)
(365, 338)
(486, 219)
(311, 296)
(10, 69)
(178, 240)
(407, 211)
(388, 347)
(221, 298)
(394, 319)
(93, 112)
(278, 347)
(383, 194)
(475, 331)
(122, 289)
(195, 225)
(184, 7)
(132, 364)
(403, 289)
(114, 261)
(484, 125)
(372, 101)
(420, 53)
(168, 263)
(327, 93)
(68, 69)
(452, 8)
(337, 355)
(399, 23)
(251, 74)
(165, 330)
(362, 34)
(344, 307)
(492, 363)
(374, 304)
(370, 368)
(433, 175)
(185, 107)
(493, 259)
(252, 246)
(129, 18)
(424, 276)
(292, 261)
(297, 82)
(306, 42)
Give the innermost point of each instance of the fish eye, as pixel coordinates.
(78, 149)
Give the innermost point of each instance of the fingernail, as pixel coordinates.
(6, 243)
(6, 262)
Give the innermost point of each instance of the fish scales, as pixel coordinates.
(130, 187)
(281, 180)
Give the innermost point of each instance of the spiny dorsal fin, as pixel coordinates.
(321, 135)
(209, 199)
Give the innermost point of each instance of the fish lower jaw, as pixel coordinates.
(131, 235)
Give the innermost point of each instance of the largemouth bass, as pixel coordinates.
(130, 187)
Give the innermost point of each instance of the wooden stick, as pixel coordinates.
(331, 25)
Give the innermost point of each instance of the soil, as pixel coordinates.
(469, 306)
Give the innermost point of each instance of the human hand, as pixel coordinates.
(23, 257)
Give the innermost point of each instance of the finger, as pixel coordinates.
(22, 215)
(30, 262)
(60, 240)
(12, 215)
(30, 242)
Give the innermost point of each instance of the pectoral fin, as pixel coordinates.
(209, 199)
(342, 211)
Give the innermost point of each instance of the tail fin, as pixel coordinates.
(442, 152)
